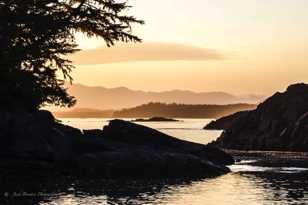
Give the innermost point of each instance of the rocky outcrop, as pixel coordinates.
(121, 149)
(280, 123)
(225, 123)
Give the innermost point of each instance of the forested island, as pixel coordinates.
(181, 110)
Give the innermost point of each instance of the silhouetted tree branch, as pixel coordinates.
(37, 35)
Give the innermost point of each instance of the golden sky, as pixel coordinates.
(238, 46)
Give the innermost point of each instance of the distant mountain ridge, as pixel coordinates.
(118, 98)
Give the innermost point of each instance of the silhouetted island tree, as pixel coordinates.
(36, 36)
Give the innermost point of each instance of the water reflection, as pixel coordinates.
(235, 188)
(284, 188)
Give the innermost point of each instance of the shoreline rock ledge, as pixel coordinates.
(280, 123)
(36, 144)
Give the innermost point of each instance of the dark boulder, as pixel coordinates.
(134, 134)
(217, 155)
(146, 163)
(280, 123)
(161, 153)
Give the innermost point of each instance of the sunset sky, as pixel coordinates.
(237, 46)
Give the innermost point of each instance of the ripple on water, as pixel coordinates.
(253, 188)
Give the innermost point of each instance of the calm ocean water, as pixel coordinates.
(246, 185)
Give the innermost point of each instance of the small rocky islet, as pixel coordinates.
(155, 119)
(37, 142)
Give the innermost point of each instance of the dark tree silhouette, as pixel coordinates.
(36, 36)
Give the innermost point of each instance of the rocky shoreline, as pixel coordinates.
(37, 143)
(270, 158)
(225, 123)
(280, 123)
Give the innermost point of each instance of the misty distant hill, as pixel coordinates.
(117, 98)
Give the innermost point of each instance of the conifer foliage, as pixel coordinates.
(37, 35)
